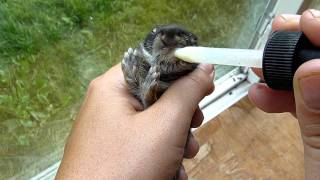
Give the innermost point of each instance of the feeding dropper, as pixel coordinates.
(283, 54)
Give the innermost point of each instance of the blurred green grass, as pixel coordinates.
(50, 50)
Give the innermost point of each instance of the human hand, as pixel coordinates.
(113, 139)
(304, 101)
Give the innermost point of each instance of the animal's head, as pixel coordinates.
(162, 40)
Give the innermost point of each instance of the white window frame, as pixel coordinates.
(234, 85)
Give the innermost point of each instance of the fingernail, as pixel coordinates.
(288, 17)
(310, 91)
(314, 13)
(289, 22)
(208, 68)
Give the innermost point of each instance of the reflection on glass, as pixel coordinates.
(50, 50)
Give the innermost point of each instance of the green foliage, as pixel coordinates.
(51, 49)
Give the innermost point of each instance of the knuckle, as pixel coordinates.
(313, 142)
(202, 80)
(279, 17)
(311, 135)
(199, 78)
(94, 84)
(195, 81)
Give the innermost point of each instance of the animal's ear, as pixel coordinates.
(156, 29)
(193, 38)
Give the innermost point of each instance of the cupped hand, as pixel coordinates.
(113, 138)
(304, 101)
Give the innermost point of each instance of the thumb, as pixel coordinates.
(307, 96)
(181, 99)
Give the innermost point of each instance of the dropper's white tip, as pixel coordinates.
(183, 54)
(223, 56)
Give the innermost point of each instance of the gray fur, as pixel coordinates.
(150, 68)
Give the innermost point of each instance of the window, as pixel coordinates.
(315, 4)
(50, 50)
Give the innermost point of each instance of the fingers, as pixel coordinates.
(111, 88)
(307, 95)
(192, 147)
(283, 22)
(306, 86)
(113, 76)
(197, 119)
(261, 95)
(288, 22)
(258, 72)
(271, 101)
(182, 173)
(178, 104)
(310, 25)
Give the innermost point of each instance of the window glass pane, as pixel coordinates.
(50, 50)
(315, 4)
(242, 29)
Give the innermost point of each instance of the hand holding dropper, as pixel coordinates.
(304, 101)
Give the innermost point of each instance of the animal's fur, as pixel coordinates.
(150, 68)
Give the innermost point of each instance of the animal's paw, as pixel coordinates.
(150, 86)
(152, 79)
(130, 62)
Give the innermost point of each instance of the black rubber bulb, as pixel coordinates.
(283, 54)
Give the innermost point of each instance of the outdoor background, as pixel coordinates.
(51, 49)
